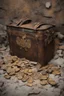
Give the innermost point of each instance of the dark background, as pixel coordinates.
(34, 9)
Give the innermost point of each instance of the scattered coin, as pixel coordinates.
(56, 72)
(43, 82)
(16, 68)
(14, 58)
(36, 75)
(44, 77)
(26, 71)
(29, 84)
(9, 69)
(30, 70)
(25, 78)
(51, 81)
(12, 73)
(19, 76)
(30, 80)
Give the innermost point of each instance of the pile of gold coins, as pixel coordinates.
(29, 71)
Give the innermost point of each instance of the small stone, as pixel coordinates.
(52, 76)
(59, 51)
(60, 55)
(48, 5)
(14, 79)
(56, 56)
(59, 61)
(59, 35)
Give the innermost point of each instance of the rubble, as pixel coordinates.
(60, 36)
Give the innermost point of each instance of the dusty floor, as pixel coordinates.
(15, 87)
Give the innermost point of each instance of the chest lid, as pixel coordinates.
(26, 23)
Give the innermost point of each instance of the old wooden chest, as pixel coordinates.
(33, 41)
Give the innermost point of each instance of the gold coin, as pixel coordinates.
(56, 72)
(44, 77)
(26, 71)
(7, 76)
(43, 82)
(25, 78)
(30, 80)
(4, 67)
(19, 77)
(51, 81)
(29, 84)
(30, 71)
